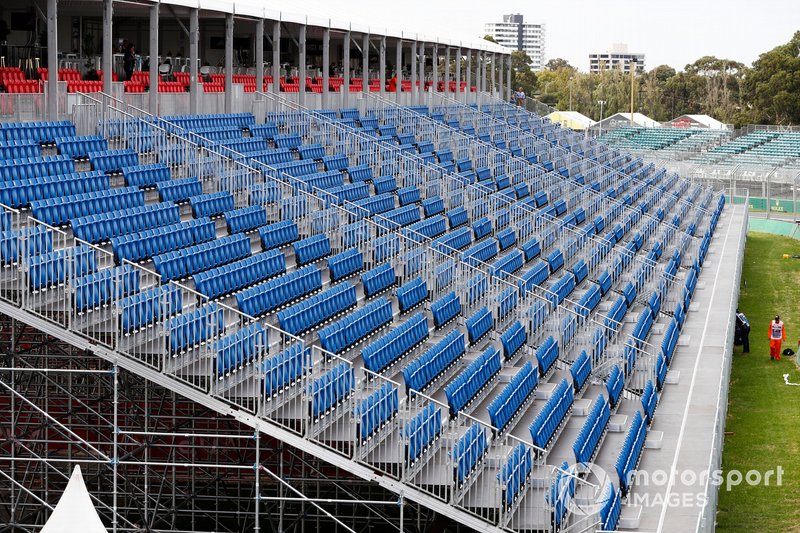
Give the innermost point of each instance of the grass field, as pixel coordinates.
(763, 427)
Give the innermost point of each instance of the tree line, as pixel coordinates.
(767, 92)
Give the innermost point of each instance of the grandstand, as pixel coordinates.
(429, 308)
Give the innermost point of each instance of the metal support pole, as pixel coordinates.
(276, 56)
(114, 519)
(413, 63)
(260, 55)
(509, 88)
(446, 69)
(257, 527)
(365, 62)
(326, 61)
(500, 73)
(153, 95)
(301, 75)
(492, 85)
(458, 73)
(52, 60)
(346, 65)
(382, 64)
(421, 71)
(469, 76)
(194, 46)
(229, 62)
(108, 47)
(483, 71)
(435, 67)
(398, 69)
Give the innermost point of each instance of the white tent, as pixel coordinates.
(75, 510)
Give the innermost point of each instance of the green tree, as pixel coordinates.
(558, 64)
(521, 73)
(489, 38)
(772, 87)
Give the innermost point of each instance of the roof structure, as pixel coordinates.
(571, 119)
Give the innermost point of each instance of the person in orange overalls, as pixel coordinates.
(777, 334)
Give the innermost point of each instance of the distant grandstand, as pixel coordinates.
(317, 299)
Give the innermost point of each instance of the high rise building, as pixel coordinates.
(618, 57)
(514, 33)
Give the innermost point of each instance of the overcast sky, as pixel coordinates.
(673, 32)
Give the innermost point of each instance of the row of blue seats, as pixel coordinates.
(420, 373)
(468, 452)
(260, 299)
(113, 161)
(588, 440)
(317, 309)
(461, 391)
(479, 324)
(445, 309)
(245, 219)
(375, 410)
(100, 288)
(20, 193)
(40, 132)
(59, 211)
(512, 397)
(649, 401)
(546, 355)
(146, 244)
(80, 147)
(421, 431)
(147, 307)
(19, 149)
(52, 268)
(378, 279)
(330, 389)
(560, 495)
(102, 227)
(610, 509)
(553, 414)
(278, 234)
(243, 273)
(287, 366)
(240, 348)
(385, 351)
(513, 338)
(311, 249)
(580, 370)
(185, 262)
(345, 263)
(356, 326)
(28, 241)
(630, 452)
(411, 294)
(180, 190)
(211, 204)
(189, 329)
(36, 167)
(515, 473)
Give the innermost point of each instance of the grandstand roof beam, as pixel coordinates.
(346, 62)
(326, 61)
(276, 56)
(398, 68)
(52, 59)
(382, 65)
(301, 74)
(108, 48)
(365, 62)
(446, 68)
(469, 72)
(435, 67)
(260, 55)
(153, 93)
(458, 73)
(412, 61)
(194, 45)
(229, 62)
(421, 70)
(179, 21)
(509, 89)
